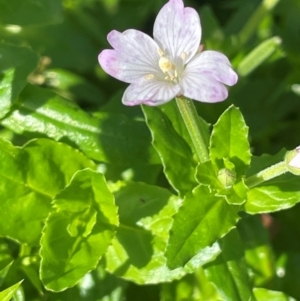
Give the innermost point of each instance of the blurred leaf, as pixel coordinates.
(288, 272)
(198, 225)
(30, 177)
(194, 287)
(258, 55)
(32, 274)
(111, 288)
(3, 272)
(258, 250)
(6, 256)
(15, 65)
(27, 12)
(78, 233)
(228, 272)
(107, 137)
(7, 294)
(173, 144)
(19, 294)
(262, 294)
(229, 140)
(73, 86)
(279, 193)
(213, 34)
(137, 251)
(250, 26)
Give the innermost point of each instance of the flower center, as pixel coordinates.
(167, 67)
(172, 71)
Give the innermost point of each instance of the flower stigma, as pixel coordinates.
(168, 68)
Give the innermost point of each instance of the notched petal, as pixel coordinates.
(177, 30)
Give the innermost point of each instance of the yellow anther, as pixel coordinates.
(183, 56)
(149, 76)
(160, 52)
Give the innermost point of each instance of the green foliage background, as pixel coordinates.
(53, 91)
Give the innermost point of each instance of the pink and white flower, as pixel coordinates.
(169, 65)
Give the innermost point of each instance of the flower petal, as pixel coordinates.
(204, 88)
(214, 64)
(135, 55)
(149, 92)
(177, 30)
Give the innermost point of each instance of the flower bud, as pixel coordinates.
(227, 177)
(292, 160)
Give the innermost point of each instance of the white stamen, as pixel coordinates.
(165, 64)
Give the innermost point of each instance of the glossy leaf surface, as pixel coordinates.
(30, 178)
(78, 232)
(197, 225)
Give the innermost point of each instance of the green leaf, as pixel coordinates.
(279, 193)
(222, 182)
(26, 12)
(79, 232)
(137, 251)
(7, 294)
(258, 55)
(228, 272)
(30, 178)
(201, 220)
(145, 216)
(4, 272)
(262, 294)
(107, 137)
(15, 65)
(235, 195)
(206, 174)
(173, 144)
(230, 140)
(274, 195)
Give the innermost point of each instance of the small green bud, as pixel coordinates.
(292, 160)
(227, 177)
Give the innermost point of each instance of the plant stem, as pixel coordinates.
(195, 127)
(267, 174)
